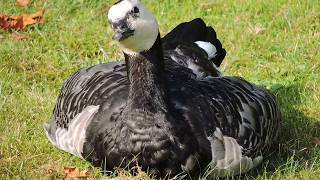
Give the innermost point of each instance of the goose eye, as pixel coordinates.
(135, 10)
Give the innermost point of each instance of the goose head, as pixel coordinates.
(133, 26)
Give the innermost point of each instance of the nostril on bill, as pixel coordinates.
(123, 26)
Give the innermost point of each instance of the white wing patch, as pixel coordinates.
(227, 158)
(72, 139)
(209, 48)
(211, 51)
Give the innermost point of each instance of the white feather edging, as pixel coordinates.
(227, 158)
(72, 139)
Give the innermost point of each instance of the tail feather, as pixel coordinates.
(186, 32)
(193, 31)
(211, 37)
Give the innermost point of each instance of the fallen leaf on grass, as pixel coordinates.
(2, 37)
(23, 2)
(297, 177)
(20, 22)
(51, 174)
(51, 170)
(17, 37)
(316, 141)
(73, 173)
(256, 29)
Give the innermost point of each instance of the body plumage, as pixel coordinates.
(153, 109)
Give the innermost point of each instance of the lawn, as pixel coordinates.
(272, 43)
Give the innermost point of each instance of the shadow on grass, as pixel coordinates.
(295, 150)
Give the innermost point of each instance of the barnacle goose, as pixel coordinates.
(152, 109)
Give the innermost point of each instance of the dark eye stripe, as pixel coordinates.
(136, 9)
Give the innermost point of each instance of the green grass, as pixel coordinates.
(284, 57)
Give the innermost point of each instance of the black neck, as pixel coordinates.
(145, 72)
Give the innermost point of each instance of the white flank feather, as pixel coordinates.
(227, 158)
(72, 139)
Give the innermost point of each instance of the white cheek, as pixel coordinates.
(145, 32)
(145, 35)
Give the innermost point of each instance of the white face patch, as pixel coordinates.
(144, 25)
(118, 11)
